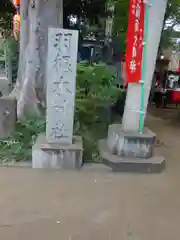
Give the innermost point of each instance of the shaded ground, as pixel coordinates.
(166, 123)
(95, 203)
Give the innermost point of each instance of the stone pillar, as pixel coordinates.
(133, 101)
(58, 148)
(125, 149)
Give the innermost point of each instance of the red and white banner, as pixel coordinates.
(135, 36)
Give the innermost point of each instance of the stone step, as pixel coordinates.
(155, 164)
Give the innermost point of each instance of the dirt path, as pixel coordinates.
(95, 203)
(166, 124)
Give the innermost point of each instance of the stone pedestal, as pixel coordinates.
(130, 151)
(130, 144)
(57, 156)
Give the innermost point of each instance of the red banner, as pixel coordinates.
(135, 35)
(179, 67)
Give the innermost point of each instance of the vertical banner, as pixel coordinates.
(135, 35)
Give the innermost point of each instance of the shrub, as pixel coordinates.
(18, 147)
(95, 92)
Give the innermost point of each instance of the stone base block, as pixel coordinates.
(8, 116)
(130, 144)
(154, 164)
(57, 156)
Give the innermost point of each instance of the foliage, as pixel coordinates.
(6, 14)
(91, 10)
(81, 8)
(97, 79)
(120, 17)
(94, 92)
(171, 21)
(172, 16)
(121, 23)
(95, 88)
(19, 145)
(12, 47)
(9, 51)
(1, 48)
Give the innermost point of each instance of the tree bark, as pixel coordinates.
(36, 17)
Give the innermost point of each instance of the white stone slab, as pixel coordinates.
(61, 84)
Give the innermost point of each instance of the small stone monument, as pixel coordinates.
(59, 149)
(8, 116)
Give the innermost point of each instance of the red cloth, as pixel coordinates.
(176, 96)
(179, 68)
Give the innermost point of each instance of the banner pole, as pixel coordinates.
(142, 113)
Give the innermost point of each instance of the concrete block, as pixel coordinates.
(155, 164)
(130, 144)
(8, 116)
(57, 156)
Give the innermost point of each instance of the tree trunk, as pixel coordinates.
(36, 17)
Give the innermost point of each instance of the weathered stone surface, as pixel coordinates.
(57, 156)
(130, 144)
(131, 115)
(154, 164)
(8, 106)
(61, 84)
(4, 86)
